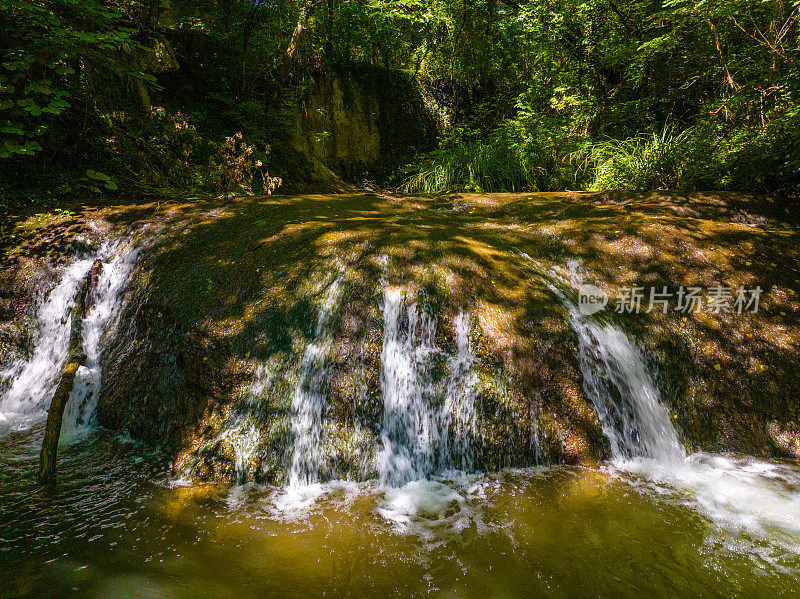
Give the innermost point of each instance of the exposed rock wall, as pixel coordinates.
(350, 122)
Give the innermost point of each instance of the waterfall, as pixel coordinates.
(459, 406)
(736, 493)
(409, 428)
(428, 423)
(538, 437)
(244, 436)
(30, 382)
(617, 381)
(104, 308)
(310, 398)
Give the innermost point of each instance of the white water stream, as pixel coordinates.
(410, 428)
(310, 397)
(735, 492)
(429, 396)
(429, 420)
(458, 450)
(30, 382)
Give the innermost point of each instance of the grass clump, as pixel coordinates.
(654, 161)
(515, 158)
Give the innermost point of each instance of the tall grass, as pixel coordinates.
(507, 162)
(655, 161)
(517, 158)
(475, 167)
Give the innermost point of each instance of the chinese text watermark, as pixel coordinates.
(717, 299)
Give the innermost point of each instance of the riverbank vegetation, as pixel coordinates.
(165, 97)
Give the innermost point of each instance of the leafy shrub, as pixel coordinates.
(234, 166)
(48, 50)
(765, 159)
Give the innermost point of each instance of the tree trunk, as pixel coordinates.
(75, 359)
(294, 42)
(247, 29)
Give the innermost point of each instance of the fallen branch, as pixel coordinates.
(75, 359)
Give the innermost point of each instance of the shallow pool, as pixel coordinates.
(117, 525)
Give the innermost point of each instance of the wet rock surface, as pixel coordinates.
(224, 303)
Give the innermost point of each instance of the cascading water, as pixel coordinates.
(616, 379)
(429, 419)
(104, 308)
(242, 430)
(428, 423)
(31, 382)
(735, 493)
(243, 436)
(459, 406)
(538, 439)
(310, 399)
(410, 430)
(309, 402)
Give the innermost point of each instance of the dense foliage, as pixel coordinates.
(625, 94)
(536, 95)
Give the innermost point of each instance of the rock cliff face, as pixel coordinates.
(347, 123)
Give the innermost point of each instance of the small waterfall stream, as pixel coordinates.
(310, 399)
(627, 400)
(459, 406)
(429, 420)
(31, 382)
(410, 430)
(118, 264)
(736, 493)
(616, 380)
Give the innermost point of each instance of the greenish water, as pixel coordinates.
(117, 525)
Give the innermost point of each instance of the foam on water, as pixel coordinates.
(418, 500)
(297, 500)
(737, 493)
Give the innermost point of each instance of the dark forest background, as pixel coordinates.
(162, 97)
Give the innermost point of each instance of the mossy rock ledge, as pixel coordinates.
(227, 298)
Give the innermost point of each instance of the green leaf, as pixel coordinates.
(97, 176)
